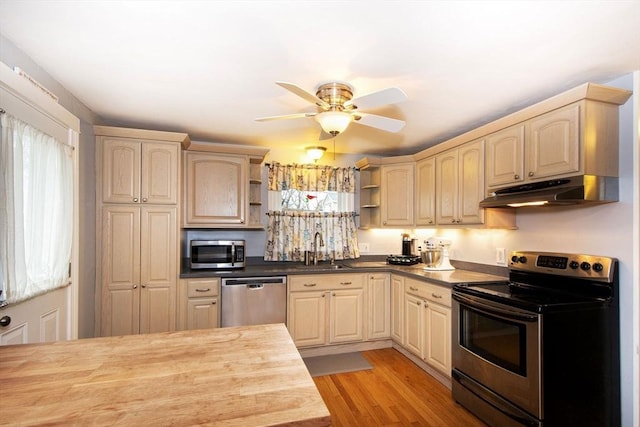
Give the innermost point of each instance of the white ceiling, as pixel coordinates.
(208, 67)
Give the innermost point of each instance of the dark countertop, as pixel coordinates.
(465, 272)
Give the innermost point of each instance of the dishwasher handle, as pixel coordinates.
(255, 282)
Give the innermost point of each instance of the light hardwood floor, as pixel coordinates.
(394, 393)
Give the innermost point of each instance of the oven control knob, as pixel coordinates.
(514, 259)
(598, 267)
(523, 259)
(585, 266)
(574, 265)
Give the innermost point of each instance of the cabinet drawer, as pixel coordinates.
(323, 282)
(203, 288)
(428, 291)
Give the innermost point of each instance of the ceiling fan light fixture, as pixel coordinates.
(334, 122)
(315, 153)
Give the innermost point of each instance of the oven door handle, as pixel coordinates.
(490, 309)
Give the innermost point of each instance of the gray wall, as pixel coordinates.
(12, 57)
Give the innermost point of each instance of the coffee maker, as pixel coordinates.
(408, 245)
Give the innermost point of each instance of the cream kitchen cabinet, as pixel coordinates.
(139, 269)
(397, 308)
(326, 309)
(428, 323)
(460, 184)
(199, 303)
(135, 171)
(580, 138)
(137, 257)
(378, 306)
(216, 190)
(426, 192)
(397, 194)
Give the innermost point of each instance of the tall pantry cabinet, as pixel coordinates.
(137, 232)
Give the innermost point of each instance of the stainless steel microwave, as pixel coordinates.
(217, 254)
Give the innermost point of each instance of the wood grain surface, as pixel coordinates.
(242, 376)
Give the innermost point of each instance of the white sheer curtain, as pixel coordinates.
(36, 210)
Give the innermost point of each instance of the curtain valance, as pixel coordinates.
(311, 178)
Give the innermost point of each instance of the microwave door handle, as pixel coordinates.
(233, 254)
(495, 311)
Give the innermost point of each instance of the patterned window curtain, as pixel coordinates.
(290, 233)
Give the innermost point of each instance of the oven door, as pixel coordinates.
(498, 346)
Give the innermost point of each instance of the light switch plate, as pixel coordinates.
(501, 257)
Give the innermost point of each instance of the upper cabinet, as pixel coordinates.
(544, 147)
(215, 189)
(139, 171)
(222, 186)
(426, 192)
(397, 192)
(460, 185)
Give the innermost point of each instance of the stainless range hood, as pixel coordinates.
(583, 189)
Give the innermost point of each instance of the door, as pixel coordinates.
(158, 275)
(397, 309)
(505, 157)
(159, 169)
(346, 316)
(426, 192)
(397, 194)
(554, 144)
(471, 182)
(413, 324)
(121, 270)
(307, 318)
(216, 189)
(437, 337)
(120, 171)
(447, 187)
(379, 306)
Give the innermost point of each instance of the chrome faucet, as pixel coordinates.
(315, 246)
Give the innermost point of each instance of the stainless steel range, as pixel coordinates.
(541, 349)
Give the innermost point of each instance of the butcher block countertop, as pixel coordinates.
(241, 376)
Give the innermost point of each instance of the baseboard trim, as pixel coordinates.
(344, 348)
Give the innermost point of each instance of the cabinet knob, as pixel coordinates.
(333, 294)
(135, 199)
(5, 321)
(453, 221)
(530, 173)
(144, 200)
(516, 177)
(418, 303)
(430, 221)
(135, 286)
(213, 302)
(144, 285)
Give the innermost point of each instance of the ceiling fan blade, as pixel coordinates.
(304, 94)
(286, 116)
(387, 96)
(380, 122)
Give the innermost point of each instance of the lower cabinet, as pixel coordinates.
(326, 309)
(378, 306)
(397, 309)
(199, 303)
(427, 315)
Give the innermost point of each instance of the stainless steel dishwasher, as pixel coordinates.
(253, 301)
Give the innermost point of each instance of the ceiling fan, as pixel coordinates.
(337, 108)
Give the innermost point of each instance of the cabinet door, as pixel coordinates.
(379, 306)
(397, 194)
(426, 192)
(216, 189)
(505, 157)
(413, 324)
(437, 337)
(120, 171)
(160, 164)
(397, 309)
(471, 182)
(120, 270)
(447, 187)
(202, 313)
(346, 316)
(554, 144)
(307, 317)
(158, 269)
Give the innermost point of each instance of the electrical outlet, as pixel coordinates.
(501, 257)
(363, 247)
